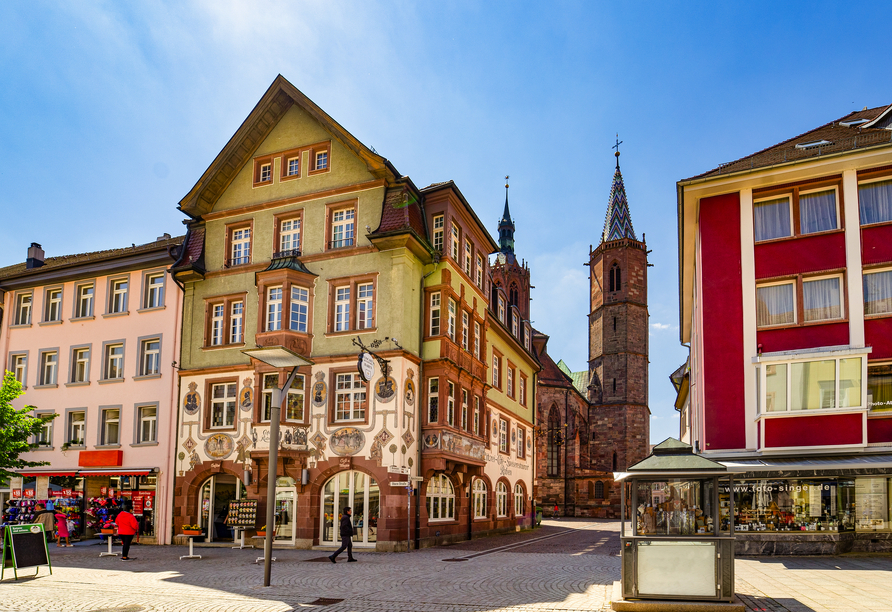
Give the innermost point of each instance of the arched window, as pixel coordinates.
(599, 490)
(615, 281)
(512, 294)
(553, 450)
(519, 500)
(479, 499)
(501, 499)
(440, 499)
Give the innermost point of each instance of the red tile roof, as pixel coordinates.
(401, 211)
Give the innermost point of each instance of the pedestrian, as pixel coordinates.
(44, 517)
(127, 528)
(555, 513)
(346, 538)
(62, 530)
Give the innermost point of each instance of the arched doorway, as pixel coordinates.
(359, 491)
(213, 504)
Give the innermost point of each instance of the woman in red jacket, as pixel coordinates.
(127, 528)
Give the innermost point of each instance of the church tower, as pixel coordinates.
(507, 273)
(618, 339)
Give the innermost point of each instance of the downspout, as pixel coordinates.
(418, 396)
(566, 446)
(174, 422)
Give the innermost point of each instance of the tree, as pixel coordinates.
(17, 429)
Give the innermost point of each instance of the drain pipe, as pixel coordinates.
(420, 407)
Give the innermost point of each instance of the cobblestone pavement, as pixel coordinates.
(568, 565)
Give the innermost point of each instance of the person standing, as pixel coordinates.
(127, 528)
(346, 538)
(44, 517)
(62, 529)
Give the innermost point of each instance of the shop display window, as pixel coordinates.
(872, 504)
(789, 505)
(674, 507)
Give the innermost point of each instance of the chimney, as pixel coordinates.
(35, 256)
(164, 236)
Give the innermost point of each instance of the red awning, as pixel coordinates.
(48, 473)
(117, 472)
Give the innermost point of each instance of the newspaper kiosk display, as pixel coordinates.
(24, 546)
(676, 542)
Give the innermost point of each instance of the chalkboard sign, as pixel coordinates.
(242, 513)
(24, 546)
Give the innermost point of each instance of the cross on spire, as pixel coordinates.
(616, 146)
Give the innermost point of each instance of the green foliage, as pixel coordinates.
(17, 429)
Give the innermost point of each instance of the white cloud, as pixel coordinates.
(660, 325)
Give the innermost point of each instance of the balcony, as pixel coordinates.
(288, 253)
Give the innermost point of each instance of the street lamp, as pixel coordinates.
(277, 357)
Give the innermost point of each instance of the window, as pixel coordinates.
(76, 428)
(114, 361)
(154, 291)
(240, 246)
(476, 416)
(435, 314)
(503, 436)
(477, 339)
(342, 228)
(147, 424)
(496, 377)
(350, 398)
(438, 233)
(877, 292)
(364, 306)
(223, 404)
(553, 443)
(49, 361)
(19, 366)
(501, 499)
(464, 409)
(274, 309)
(615, 281)
(465, 325)
(811, 385)
(822, 299)
(502, 309)
(45, 435)
(217, 320)
(84, 307)
(817, 211)
(23, 309)
(292, 167)
(454, 242)
(150, 357)
(270, 384)
(111, 424)
(289, 235)
(433, 399)
(294, 404)
(521, 442)
(772, 219)
(440, 499)
(796, 213)
(515, 325)
(519, 499)
(510, 381)
(468, 258)
(451, 320)
(321, 160)
(879, 387)
(236, 322)
(266, 173)
(53, 309)
(479, 499)
(775, 305)
(450, 404)
(599, 490)
(875, 201)
(526, 337)
(522, 390)
(80, 365)
(342, 309)
(300, 304)
(479, 278)
(117, 299)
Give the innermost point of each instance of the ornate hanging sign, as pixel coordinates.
(366, 366)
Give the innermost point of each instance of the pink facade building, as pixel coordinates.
(93, 338)
(786, 304)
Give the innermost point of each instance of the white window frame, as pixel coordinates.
(450, 403)
(789, 197)
(52, 310)
(24, 306)
(504, 446)
(835, 191)
(465, 324)
(496, 366)
(218, 321)
(477, 339)
(292, 169)
(321, 160)
(842, 301)
(240, 246)
(479, 278)
(455, 241)
(515, 325)
(49, 367)
(440, 499)
(144, 420)
(237, 322)
(274, 308)
(365, 306)
(289, 234)
(509, 381)
(118, 289)
(450, 316)
(881, 179)
(149, 356)
(343, 224)
(19, 367)
(439, 222)
(433, 399)
(435, 314)
(109, 416)
(222, 403)
(72, 427)
(350, 392)
(864, 276)
(269, 382)
(44, 439)
(520, 449)
(793, 283)
(464, 409)
(478, 499)
(80, 364)
(266, 172)
(342, 308)
(154, 297)
(109, 358)
(476, 415)
(86, 293)
(501, 499)
(522, 390)
(298, 319)
(519, 499)
(298, 388)
(468, 257)
(502, 309)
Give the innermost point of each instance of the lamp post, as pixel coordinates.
(277, 357)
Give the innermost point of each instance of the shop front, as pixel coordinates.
(812, 506)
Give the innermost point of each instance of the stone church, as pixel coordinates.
(595, 422)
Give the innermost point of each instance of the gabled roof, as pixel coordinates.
(280, 96)
(434, 187)
(833, 137)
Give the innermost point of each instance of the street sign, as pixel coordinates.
(405, 470)
(416, 478)
(366, 366)
(399, 483)
(393, 469)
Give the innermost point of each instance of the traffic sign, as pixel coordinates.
(399, 483)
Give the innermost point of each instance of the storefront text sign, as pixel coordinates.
(29, 492)
(16, 492)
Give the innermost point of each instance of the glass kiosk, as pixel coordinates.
(679, 543)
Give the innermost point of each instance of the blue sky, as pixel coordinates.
(109, 113)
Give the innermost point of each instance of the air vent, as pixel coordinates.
(813, 145)
(853, 122)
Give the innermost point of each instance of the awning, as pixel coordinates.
(117, 471)
(878, 461)
(48, 472)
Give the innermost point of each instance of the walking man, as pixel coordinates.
(346, 538)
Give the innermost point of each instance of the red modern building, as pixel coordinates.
(785, 289)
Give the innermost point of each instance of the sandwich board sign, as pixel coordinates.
(24, 546)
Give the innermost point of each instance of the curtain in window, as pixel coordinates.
(879, 387)
(774, 305)
(820, 299)
(772, 219)
(817, 212)
(876, 202)
(878, 293)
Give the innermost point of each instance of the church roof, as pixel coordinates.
(580, 380)
(618, 224)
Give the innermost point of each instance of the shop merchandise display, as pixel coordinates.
(242, 513)
(101, 511)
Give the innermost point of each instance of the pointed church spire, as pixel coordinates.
(618, 224)
(506, 228)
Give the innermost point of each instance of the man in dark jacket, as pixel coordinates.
(346, 538)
